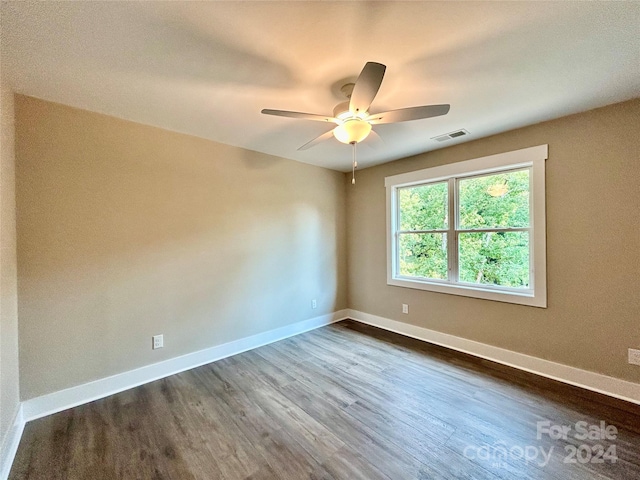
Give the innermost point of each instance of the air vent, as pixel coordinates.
(450, 136)
(459, 133)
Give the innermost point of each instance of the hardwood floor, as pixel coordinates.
(345, 401)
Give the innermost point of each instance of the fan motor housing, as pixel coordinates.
(341, 111)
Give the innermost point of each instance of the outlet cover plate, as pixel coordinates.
(634, 356)
(158, 341)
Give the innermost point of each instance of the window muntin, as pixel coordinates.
(474, 228)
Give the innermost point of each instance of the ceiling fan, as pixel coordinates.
(352, 119)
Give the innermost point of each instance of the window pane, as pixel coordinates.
(494, 258)
(423, 255)
(500, 200)
(424, 207)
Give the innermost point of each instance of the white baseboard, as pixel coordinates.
(596, 382)
(9, 447)
(88, 392)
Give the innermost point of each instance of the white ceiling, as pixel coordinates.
(208, 68)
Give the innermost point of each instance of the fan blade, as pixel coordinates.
(304, 116)
(315, 141)
(406, 114)
(373, 140)
(366, 87)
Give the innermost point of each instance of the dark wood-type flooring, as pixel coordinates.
(345, 401)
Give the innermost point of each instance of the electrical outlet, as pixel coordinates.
(158, 341)
(634, 356)
(314, 304)
(405, 308)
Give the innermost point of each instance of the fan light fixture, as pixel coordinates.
(353, 130)
(352, 119)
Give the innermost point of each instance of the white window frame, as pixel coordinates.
(532, 158)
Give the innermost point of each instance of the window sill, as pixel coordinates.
(525, 297)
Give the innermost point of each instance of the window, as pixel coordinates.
(474, 228)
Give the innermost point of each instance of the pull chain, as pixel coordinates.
(354, 165)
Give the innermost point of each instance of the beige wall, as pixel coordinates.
(126, 231)
(593, 247)
(9, 384)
